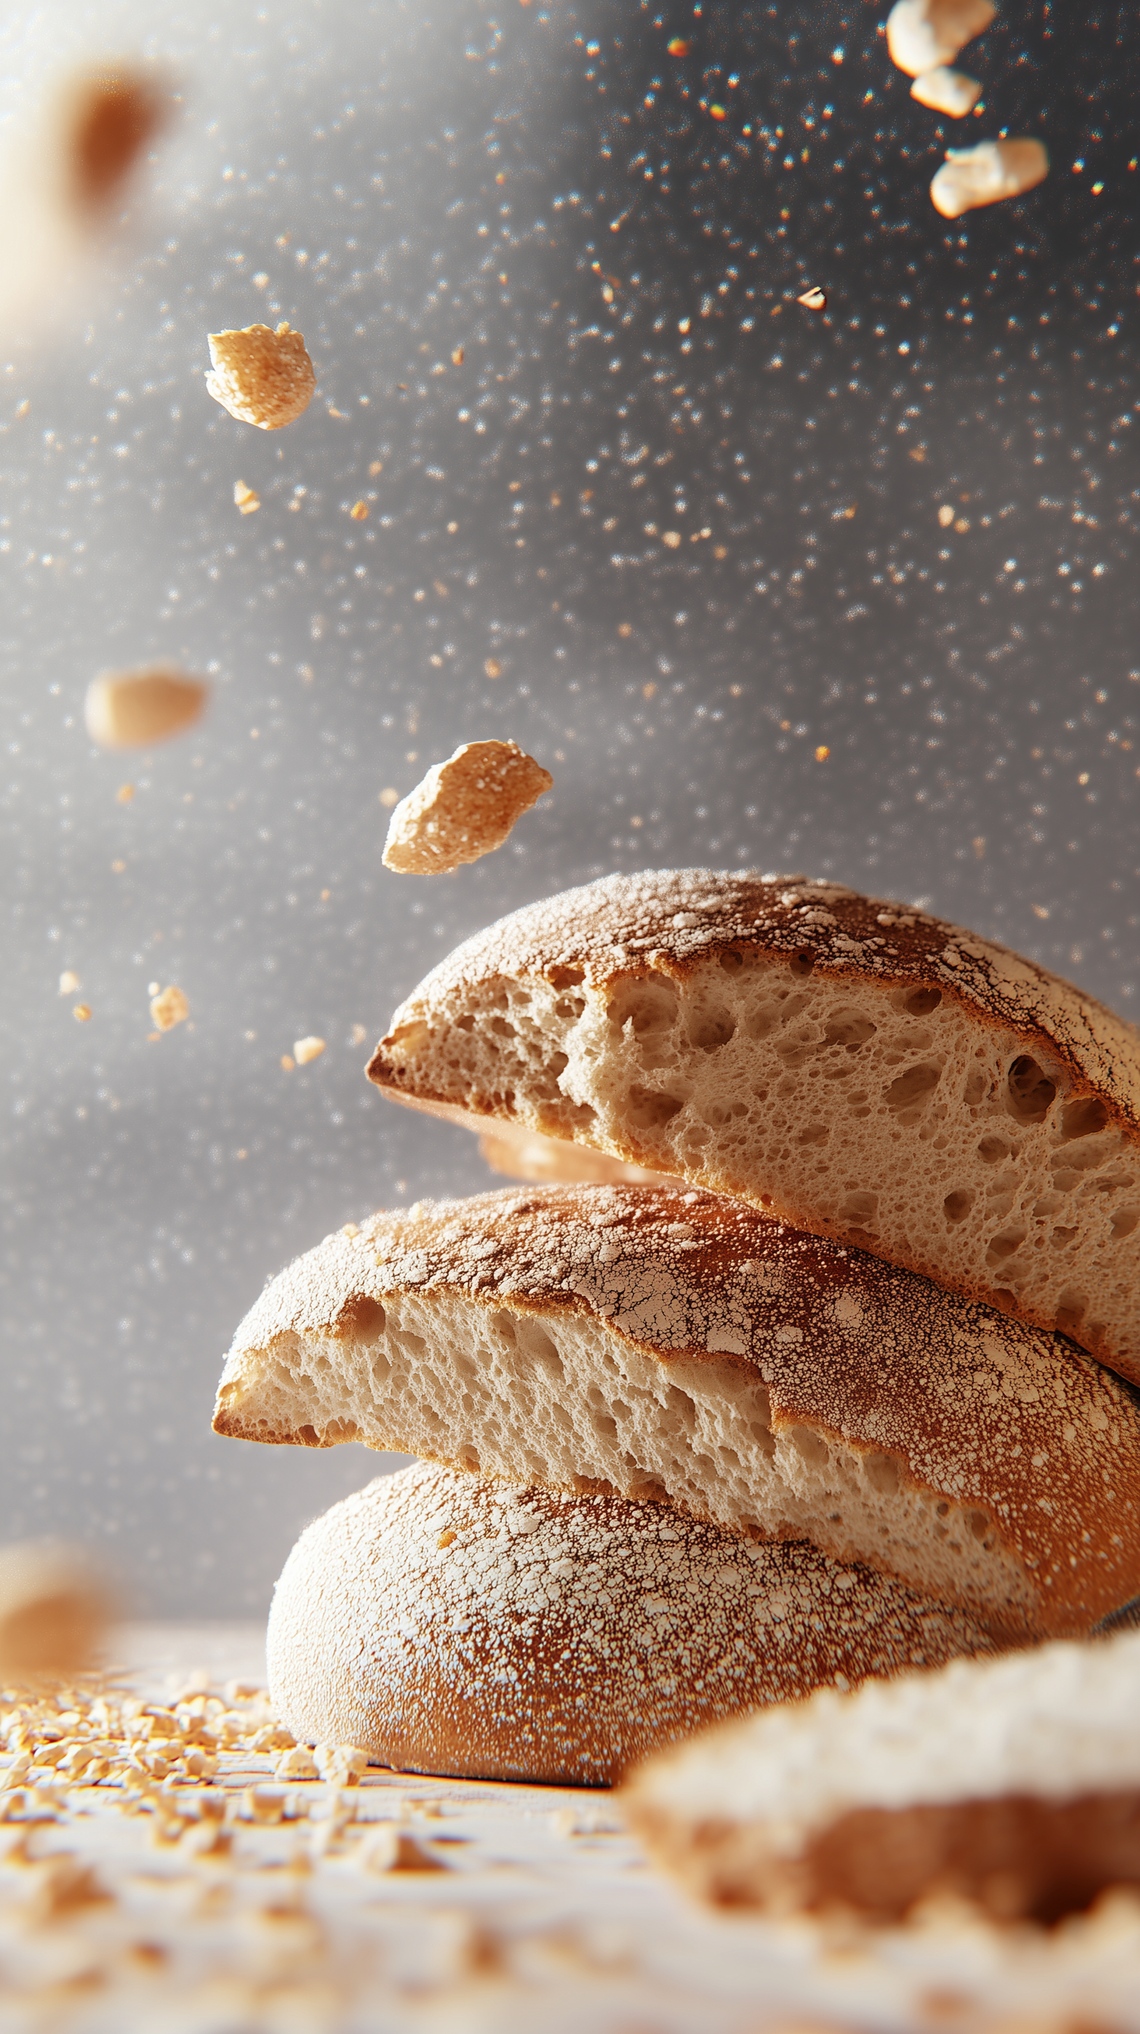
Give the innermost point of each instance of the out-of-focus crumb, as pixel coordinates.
(135, 709)
(53, 1612)
(493, 668)
(457, 357)
(945, 516)
(260, 376)
(391, 1849)
(679, 47)
(822, 753)
(813, 299)
(947, 91)
(671, 539)
(306, 1049)
(389, 797)
(288, 1063)
(376, 466)
(68, 982)
(464, 808)
(297, 1763)
(246, 499)
(922, 35)
(82, 1013)
(340, 1765)
(359, 511)
(359, 1034)
(125, 793)
(985, 175)
(168, 1008)
(110, 120)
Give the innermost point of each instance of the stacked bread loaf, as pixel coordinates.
(794, 1370)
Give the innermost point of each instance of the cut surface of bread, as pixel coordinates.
(675, 1345)
(1015, 1781)
(447, 1624)
(862, 1070)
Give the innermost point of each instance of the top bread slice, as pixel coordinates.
(860, 1069)
(677, 1346)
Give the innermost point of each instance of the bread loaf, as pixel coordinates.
(679, 1346)
(1013, 1781)
(860, 1069)
(447, 1624)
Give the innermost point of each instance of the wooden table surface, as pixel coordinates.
(533, 1910)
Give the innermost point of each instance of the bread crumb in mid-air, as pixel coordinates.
(813, 299)
(947, 91)
(135, 709)
(922, 35)
(260, 376)
(985, 175)
(306, 1049)
(82, 1013)
(945, 516)
(457, 357)
(53, 1611)
(288, 1063)
(359, 511)
(493, 668)
(464, 808)
(68, 982)
(110, 120)
(168, 1007)
(246, 499)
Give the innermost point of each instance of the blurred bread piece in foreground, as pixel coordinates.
(984, 175)
(450, 1624)
(946, 91)
(135, 709)
(528, 1154)
(66, 171)
(464, 808)
(1013, 1782)
(922, 35)
(54, 1609)
(260, 376)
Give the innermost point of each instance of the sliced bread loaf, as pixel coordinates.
(860, 1069)
(675, 1345)
(452, 1625)
(1013, 1781)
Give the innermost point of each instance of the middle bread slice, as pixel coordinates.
(675, 1346)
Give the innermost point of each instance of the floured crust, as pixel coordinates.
(450, 1625)
(1014, 1782)
(867, 1071)
(679, 1345)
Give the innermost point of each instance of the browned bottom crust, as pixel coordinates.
(1019, 1857)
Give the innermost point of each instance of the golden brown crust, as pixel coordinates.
(261, 376)
(447, 1624)
(463, 809)
(1008, 1426)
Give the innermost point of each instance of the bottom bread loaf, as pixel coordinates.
(449, 1624)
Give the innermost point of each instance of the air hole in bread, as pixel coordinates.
(712, 1029)
(910, 1091)
(1061, 1238)
(732, 962)
(849, 1029)
(650, 1108)
(1083, 1118)
(1125, 1224)
(505, 1326)
(802, 963)
(1030, 1092)
(975, 1088)
(859, 1208)
(650, 1006)
(992, 1149)
(958, 1204)
(469, 1460)
(1071, 1310)
(920, 1002)
(882, 1473)
(809, 1447)
(816, 1133)
(1004, 1245)
(605, 1426)
(565, 978)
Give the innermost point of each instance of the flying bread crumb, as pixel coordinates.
(288, 1063)
(359, 511)
(135, 709)
(671, 539)
(985, 175)
(359, 1034)
(306, 1049)
(945, 516)
(463, 809)
(457, 357)
(813, 299)
(167, 1008)
(493, 668)
(246, 499)
(53, 1611)
(68, 982)
(82, 1013)
(261, 377)
(922, 35)
(124, 794)
(946, 91)
(109, 120)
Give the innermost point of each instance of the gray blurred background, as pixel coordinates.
(400, 181)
